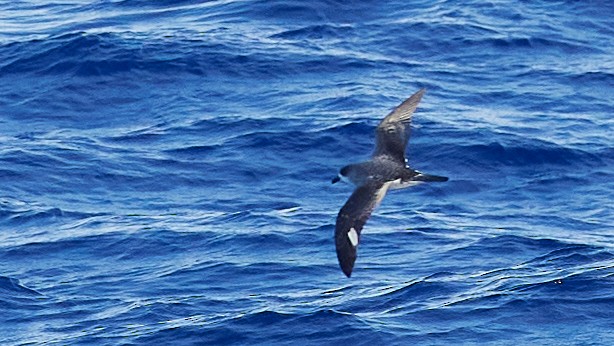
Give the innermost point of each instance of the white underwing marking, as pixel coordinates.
(353, 236)
(379, 196)
(399, 184)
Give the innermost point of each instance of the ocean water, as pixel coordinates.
(165, 172)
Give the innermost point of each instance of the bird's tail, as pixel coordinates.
(429, 178)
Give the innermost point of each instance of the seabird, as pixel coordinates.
(386, 170)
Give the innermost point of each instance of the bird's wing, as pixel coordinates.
(392, 133)
(351, 219)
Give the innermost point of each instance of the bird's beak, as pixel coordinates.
(336, 179)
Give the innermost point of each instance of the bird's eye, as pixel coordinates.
(390, 130)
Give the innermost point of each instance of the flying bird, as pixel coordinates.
(387, 170)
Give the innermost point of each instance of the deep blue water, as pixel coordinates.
(165, 172)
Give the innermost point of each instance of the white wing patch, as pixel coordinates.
(381, 193)
(398, 184)
(353, 236)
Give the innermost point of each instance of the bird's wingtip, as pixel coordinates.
(347, 271)
(347, 257)
(420, 92)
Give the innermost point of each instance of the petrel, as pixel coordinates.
(386, 170)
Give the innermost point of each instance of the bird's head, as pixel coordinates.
(343, 175)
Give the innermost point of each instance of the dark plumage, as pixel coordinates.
(386, 170)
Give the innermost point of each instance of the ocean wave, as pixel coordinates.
(106, 54)
(20, 299)
(260, 150)
(315, 32)
(91, 55)
(357, 137)
(15, 214)
(564, 46)
(224, 329)
(11, 287)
